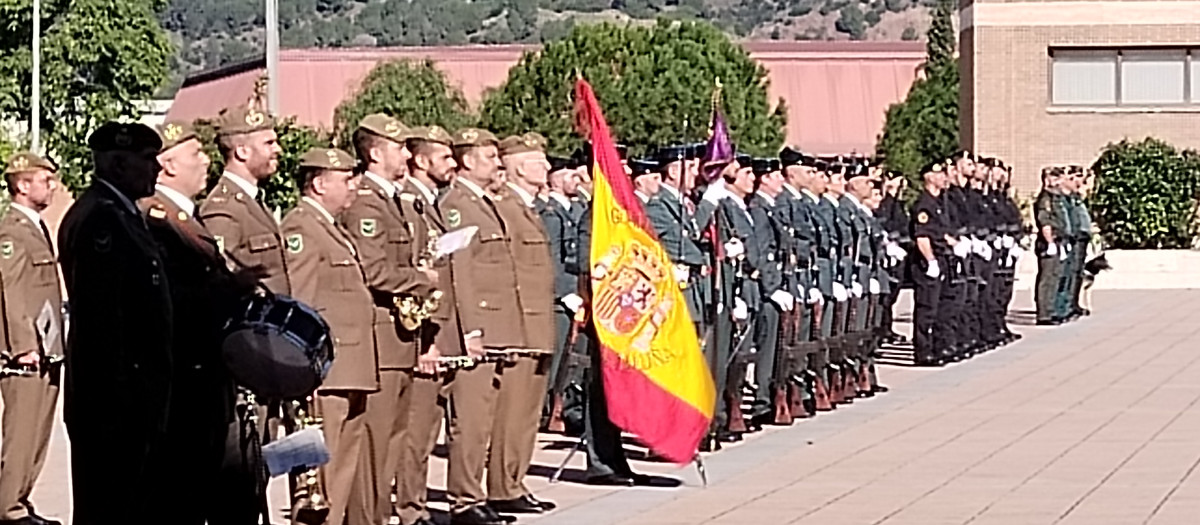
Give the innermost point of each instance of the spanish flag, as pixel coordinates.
(656, 380)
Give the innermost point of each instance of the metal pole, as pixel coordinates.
(35, 114)
(273, 56)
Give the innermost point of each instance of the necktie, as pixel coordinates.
(46, 234)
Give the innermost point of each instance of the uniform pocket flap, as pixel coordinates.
(262, 242)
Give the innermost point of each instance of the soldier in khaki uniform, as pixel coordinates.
(203, 440)
(32, 330)
(430, 168)
(394, 247)
(485, 277)
(246, 231)
(324, 264)
(522, 392)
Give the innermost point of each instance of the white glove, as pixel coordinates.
(682, 273)
(856, 290)
(977, 246)
(734, 248)
(715, 192)
(785, 300)
(839, 293)
(962, 249)
(1014, 255)
(998, 243)
(740, 311)
(873, 286)
(894, 251)
(933, 271)
(1062, 255)
(1051, 249)
(986, 252)
(1009, 241)
(572, 302)
(1067, 247)
(815, 296)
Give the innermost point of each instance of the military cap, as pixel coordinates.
(964, 154)
(743, 160)
(117, 136)
(529, 142)
(327, 159)
(764, 166)
(933, 167)
(385, 126)
(696, 150)
(560, 163)
(622, 151)
(174, 133)
(473, 138)
(641, 167)
(27, 161)
(436, 134)
(856, 170)
(668, 154)
(240, 121)
(819, 165)
(791, 157)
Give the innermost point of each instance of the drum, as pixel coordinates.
(277, 347)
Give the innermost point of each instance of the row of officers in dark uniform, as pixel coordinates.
(791, 267)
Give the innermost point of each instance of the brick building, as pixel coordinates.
(1054, 81)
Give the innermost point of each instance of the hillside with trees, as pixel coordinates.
(211, 33)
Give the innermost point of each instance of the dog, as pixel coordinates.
(1091, 269)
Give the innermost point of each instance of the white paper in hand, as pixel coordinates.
(456, 240)
(46, 325)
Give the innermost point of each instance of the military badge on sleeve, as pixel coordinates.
(295, 243)
(367, 227)
(922, 217)
(453, 218)
(6, 249)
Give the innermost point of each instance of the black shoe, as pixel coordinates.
(477, 515)
(641, 480)
(710, 444)
(27, 520)
(880, 389)
(521, 505)
(1047, 322)
(866, 393)
(546, 506)
(729, 437)
(312, 515)
(612, 480)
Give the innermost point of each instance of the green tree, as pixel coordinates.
(99, 58)
(924, 127)
(280, 192)
(417, 93)
(852, 22)
(655, 85)
(1145, 196)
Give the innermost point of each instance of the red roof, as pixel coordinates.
(836, 92)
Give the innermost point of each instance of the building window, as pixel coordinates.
(1125, 77)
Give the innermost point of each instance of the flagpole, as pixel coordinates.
(35, 113)
(272, 28)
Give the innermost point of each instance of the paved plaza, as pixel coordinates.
(1092, 423)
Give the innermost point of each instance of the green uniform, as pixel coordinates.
(1047, 213)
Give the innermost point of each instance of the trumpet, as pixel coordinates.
(411, 311)
(309, 492)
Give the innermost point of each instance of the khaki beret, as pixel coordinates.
(386, 127)
(118, 136)
(529, 142)
(431, 134)
(474, 137)
(27, 161)
(327, 159)
(174, 133)
(240, 121)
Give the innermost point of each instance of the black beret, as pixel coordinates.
(764, 166)
(856, 170)
(743, 160)
(118, 136)
(791, 157)
(668, 154)
(932, 167)
(559, 163)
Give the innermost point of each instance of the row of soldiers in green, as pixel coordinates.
(788, 274)
(1064, 232)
